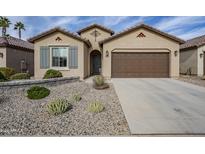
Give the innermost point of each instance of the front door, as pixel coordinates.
(96, 64)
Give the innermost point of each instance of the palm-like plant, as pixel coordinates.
(19, 26)
(4, 24)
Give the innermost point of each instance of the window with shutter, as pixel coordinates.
(44, 57)
(73, 57)
(59, 57)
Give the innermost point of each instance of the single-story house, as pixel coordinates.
(192, 57)
(140, 51)
(17, 53)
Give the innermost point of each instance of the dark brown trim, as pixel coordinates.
(188, 48)
(146, 27)
(96, 26)
(141, 49)
(194, 42)
(58, 29)
(17, 47)
(15, 43)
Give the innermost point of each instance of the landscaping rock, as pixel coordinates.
(20, 116)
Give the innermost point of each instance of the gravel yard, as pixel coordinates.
(192, 79)
(20, 116)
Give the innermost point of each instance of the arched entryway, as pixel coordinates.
(95, 62)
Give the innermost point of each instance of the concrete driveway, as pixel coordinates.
(162, 106)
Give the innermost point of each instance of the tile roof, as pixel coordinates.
(195, 42)
(98, 26)
(142, 26)
(9, 41)
(58, 29)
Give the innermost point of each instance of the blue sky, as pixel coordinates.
(184, 27)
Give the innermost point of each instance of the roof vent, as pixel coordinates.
(141, 35)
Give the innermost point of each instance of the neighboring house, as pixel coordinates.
(17, 53)
(192, 57)
(140, 51)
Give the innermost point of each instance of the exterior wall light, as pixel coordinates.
(1, 55)
(176, 53)
(107, 54)
(201, 55)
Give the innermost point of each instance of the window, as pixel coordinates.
(59, 56)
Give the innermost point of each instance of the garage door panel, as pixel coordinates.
(139, 65)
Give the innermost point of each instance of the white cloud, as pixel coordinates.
(129, 23)
(63, 21)
(172, 23)
(112, 21)
(193, 33)
(139, 20)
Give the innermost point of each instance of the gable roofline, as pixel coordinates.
(193, 43)
(96, 26)
(142, 26)
(58, 29)
(13, 42)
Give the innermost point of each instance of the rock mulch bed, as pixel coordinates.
(192, 79)
(20, 116)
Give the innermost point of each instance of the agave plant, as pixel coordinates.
(76, 97)
(58, 106)
(95, 107)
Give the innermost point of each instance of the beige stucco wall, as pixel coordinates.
(188, 60)
(200, 61)
(152, 42)
(3, 60)
(68, 41)
(86, 56)
(95, 44)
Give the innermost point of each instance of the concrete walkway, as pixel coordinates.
(162, 106)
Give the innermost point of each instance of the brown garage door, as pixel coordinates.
(140, 65)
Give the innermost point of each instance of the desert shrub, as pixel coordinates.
(7, 71)
(98, 80)
(20, 76)
(76, 97)
(95, 107)
(51, 73)
(2, 77)
(37, 92)
(58, 106)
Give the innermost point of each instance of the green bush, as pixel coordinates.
(76, 97)
(37, 92)
(51, 73)
(7, 71)
(2, 78)
(20, 76)
(58, 106)
(95, 107)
